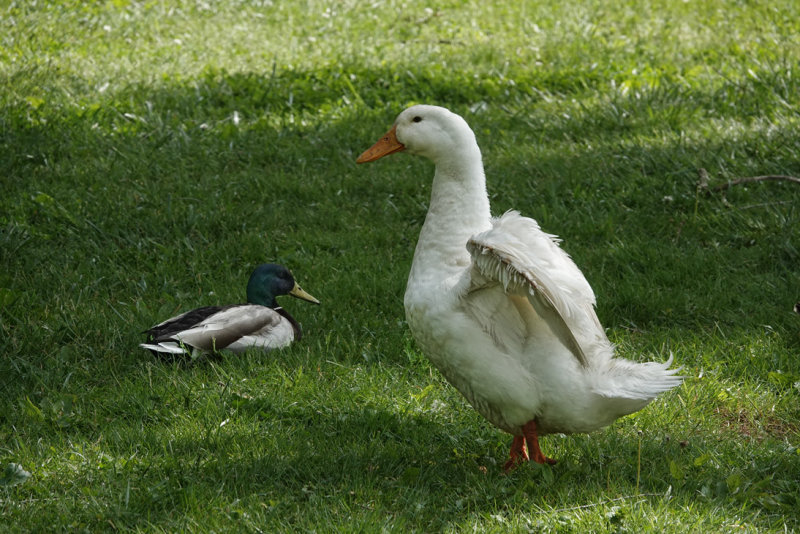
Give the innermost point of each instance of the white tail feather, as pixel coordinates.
(165, 347)
(624, 379)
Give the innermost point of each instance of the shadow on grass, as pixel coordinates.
(185, 170)
(353, 461)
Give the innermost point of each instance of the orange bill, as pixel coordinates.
(388, 144)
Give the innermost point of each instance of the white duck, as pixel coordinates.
(501, 310)
(259, 324)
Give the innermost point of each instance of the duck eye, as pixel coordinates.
(417, 119)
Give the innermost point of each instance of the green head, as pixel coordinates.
(271, 280)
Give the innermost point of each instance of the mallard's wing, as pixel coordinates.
(184, 321)
(212, 328)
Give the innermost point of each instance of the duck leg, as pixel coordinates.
(518, 454)
(532, 440)
(527, 443)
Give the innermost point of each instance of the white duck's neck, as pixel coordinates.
(459, 208)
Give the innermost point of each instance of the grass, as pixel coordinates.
(152, 153)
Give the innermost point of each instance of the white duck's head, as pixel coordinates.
(429, 131)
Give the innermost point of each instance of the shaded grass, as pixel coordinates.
(150, 162)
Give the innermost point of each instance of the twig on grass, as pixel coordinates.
(702, 182)
(726, 185)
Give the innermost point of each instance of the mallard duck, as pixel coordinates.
(261, 323)
(501, 310)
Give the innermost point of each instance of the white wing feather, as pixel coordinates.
(524, 261)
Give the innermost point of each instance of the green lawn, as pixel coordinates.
(151, 153)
